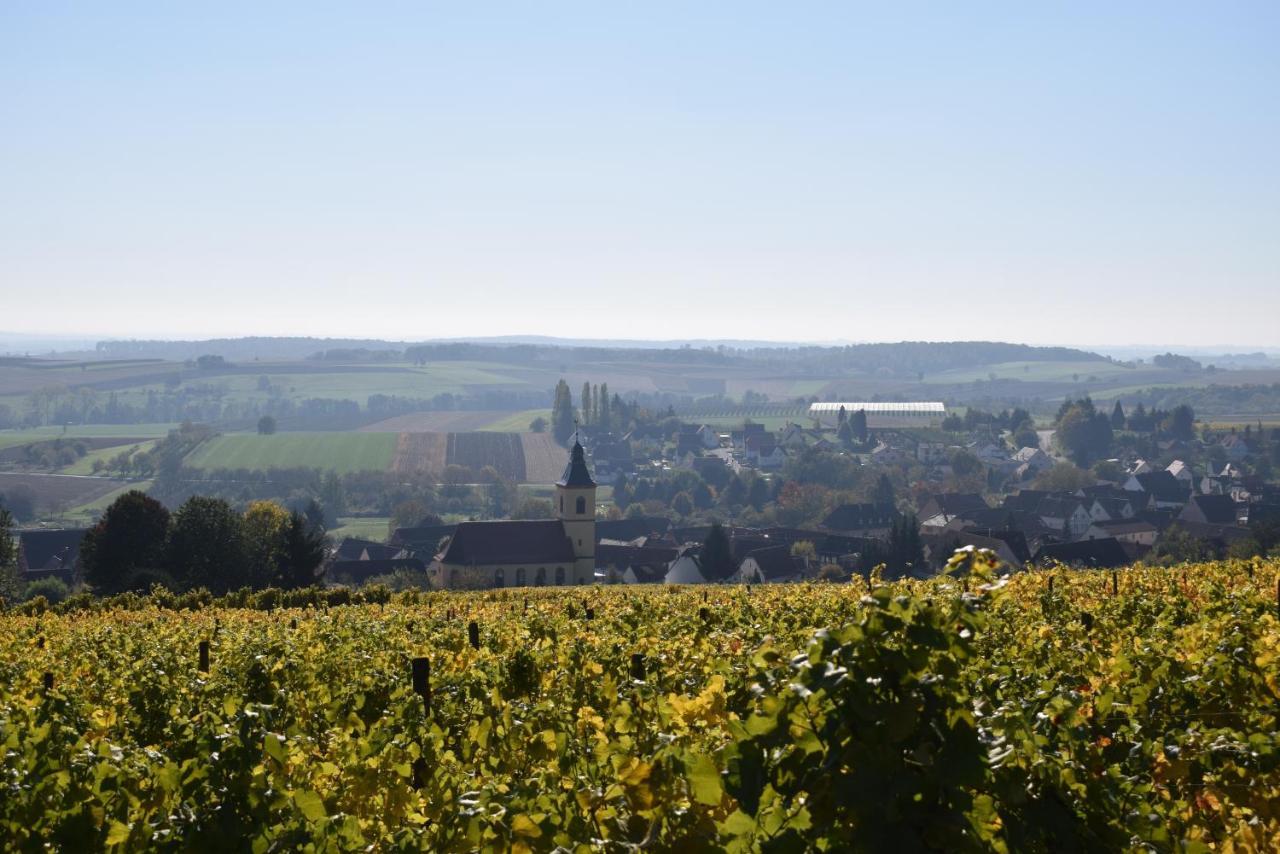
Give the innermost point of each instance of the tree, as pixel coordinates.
(858, 424)
(562, 413)
(1084, 432)
(605, 414)
(206, 546)
(1117, 417)
(842, 417)
(717, 554)
(905, 551)
(1182, 421)
(10, 583)
(845, 432)
(682, 504)
(303, 551)
(266, 425)
(20, 500)
(407, 514)
(585, 403)
(883, 491)
(804, 549)
(702, 497)
(538, 425)
(130, 537)
(1064, 477)
(734, 493)
(1176, 545)
(832, 572)
(503, 495)
(266, 524)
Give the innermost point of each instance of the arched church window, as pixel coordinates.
(541, 579)
(559, 575)
(582, 505)
(499, 578)
(520, 580)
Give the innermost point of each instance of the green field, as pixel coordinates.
(364, 527)
(9, 438)
(342, 452)
(84, 465)
(1065, 372)
(516, 422)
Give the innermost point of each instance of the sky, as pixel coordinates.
(1072, 173)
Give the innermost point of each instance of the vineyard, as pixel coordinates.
(1042, 711)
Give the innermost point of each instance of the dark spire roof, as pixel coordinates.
(576, 473)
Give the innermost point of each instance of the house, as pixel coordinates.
(952, 504)
(771, 565)
(1210, 510)
(1182, 473)
(1108, 509)
(885, 455)
(931, 453)
(988, 453)
(1066, 515)
(1236, 447)
(360, 571)
(635, 564)
(50, 554)
(710, 438)
(1094, 554)
(860, 519)
(1140, 467)
(946, 545)
(356, 548)
(1125, 530)
(686, 569)
(1034, 459)
(1162, 488)
(530, 552)
(764, 453)
(627, 530)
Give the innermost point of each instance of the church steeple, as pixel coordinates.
(576, 491)
(576, 474)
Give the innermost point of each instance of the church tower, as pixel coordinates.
(576, 507)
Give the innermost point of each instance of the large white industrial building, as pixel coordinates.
(882, 415)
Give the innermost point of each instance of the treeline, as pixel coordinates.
(204, 544)
(1212, 400)
(903, 358)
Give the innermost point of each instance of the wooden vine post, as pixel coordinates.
(422, 680)
(637, 666)
(473, 634)
(204, 656)
(48, 681)
(1115, 583)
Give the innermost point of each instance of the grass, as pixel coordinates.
(340, 452)
(365, 527)
(84, 465)
(86, 513)
(517, 422)
(8, 438)
(1032, 372)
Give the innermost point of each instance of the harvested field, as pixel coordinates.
(544, 460)
(420, 453)
(435, 422)
(503, 451)
(57, 491)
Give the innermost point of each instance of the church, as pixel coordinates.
(529, 553)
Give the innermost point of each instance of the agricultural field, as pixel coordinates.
(1077, 711)
(61, 492)
(440, 422)
(341, 452)
(516, 422)
(365, 527)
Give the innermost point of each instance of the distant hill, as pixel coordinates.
(901, 358)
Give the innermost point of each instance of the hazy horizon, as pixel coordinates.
(745, 171)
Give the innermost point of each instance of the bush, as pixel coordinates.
(52, 590)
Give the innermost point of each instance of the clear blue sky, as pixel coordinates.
(1088, 173)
